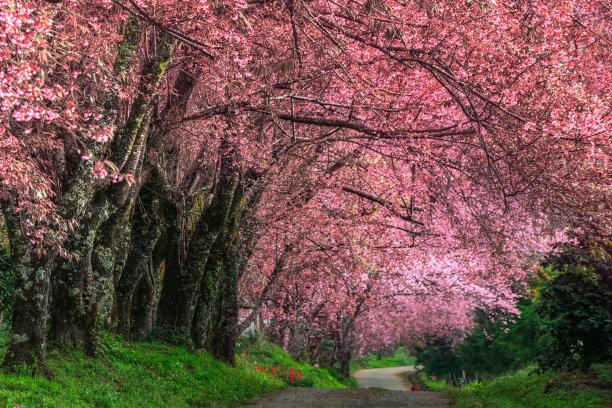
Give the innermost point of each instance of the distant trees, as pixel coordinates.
(565, 322)
(493, 347)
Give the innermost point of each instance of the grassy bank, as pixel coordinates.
(150, 374)
(399, 358)
(550, 389)
(424, 382)
(135, 375)
(268, 354)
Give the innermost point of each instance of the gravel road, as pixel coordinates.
(350, 398)
(392, 397)
(387, 378)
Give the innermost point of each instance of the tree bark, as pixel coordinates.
(298, 338)
(167, 310)
(344, 347)
(27, 345)
(147, 293)
(216, 312)
(74, 317)
(108, 256)
(147, 228)
(177, 312)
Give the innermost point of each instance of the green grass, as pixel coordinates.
(421, 379)
(135, 375)
(434, 385)
(546, 390)
(268, 354)
(400, 358)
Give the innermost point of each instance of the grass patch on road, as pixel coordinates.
(550, 389)
(134, 375)
(399, 358)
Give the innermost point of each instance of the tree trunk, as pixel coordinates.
(141, 318)
(74, 317)
(344, 347)
(27, 345)
(209, 294)
(108, 256)
(147, 228)
(74, 310)
(216, 313)
(177, 313)
(298, 338)
(167, 310)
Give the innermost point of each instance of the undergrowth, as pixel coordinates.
(134, 375)
(254, 350)
(552, 389)
(425, 382)
(152, 374)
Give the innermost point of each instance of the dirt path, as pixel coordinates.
(387, 378)
(393, 396)
(350, 398)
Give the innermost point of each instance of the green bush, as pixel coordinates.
(603, 373)
(438, 357)
(578, 303)
(6, 284)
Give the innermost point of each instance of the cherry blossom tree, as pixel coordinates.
(323, 163)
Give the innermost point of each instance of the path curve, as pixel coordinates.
(387, 378)
(389, 392)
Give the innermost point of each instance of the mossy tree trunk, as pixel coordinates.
(73, 312)
(74, 317)
(109, 255)
(176, 205)
(167, 310)
(147, 292)
(147, 228)
(178, 300)
(216, 312)
(28, 333)
(27, 344)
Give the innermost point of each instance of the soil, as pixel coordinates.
(351, 398)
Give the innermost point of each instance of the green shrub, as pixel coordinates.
(6, 284)
(578, 303)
